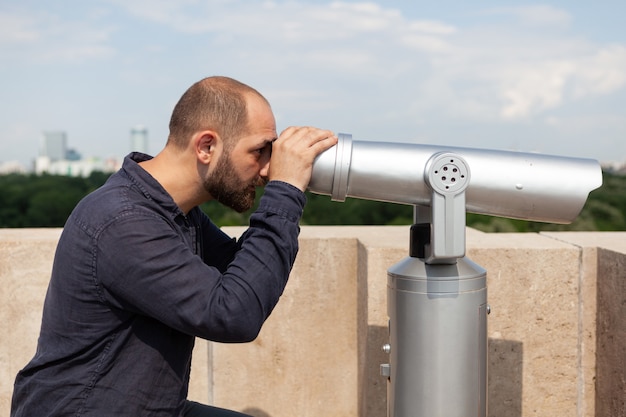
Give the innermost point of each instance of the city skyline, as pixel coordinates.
(55, 155)
(545, 77)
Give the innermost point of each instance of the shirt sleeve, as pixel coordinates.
(145, 267)
(216, 247)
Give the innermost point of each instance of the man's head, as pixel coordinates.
(228, 127)
(213, 103)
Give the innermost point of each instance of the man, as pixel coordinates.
(140, 271)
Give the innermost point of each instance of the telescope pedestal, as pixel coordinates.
(438, 339)
(437, 307)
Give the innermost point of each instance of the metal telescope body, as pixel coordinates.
(437, 297)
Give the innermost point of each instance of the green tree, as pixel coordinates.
(42, 200)
(47, 200)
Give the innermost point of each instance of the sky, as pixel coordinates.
(545, 77)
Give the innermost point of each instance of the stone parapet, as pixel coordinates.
(557, 331)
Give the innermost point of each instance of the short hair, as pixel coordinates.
(217, 103)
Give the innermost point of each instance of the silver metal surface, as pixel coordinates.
(507, 184)
(438, 338)
(448, 176)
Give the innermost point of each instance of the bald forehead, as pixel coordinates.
(259, 111)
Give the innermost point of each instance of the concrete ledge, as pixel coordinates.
(602, 321)
(557, 333)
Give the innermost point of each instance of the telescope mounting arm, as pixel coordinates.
(438, 235)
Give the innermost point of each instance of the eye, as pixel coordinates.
(264, 150)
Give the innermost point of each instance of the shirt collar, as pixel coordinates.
(148, 185)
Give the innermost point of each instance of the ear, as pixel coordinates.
(205, 144)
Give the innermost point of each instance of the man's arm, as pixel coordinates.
(145, 267)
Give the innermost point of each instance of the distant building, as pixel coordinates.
(12, 167)
(79, 168)
(53, 145)
(139, 139)
(56, 158)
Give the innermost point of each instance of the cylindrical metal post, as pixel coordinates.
(438, 339)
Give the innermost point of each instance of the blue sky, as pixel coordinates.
(544, 77)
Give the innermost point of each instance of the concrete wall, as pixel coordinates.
(557, 331)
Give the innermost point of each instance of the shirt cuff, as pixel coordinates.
(283, 199)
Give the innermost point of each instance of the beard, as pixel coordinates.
(228, 188)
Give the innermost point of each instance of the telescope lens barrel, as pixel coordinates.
(518, 185)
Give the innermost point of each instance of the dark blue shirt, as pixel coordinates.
(134, 281)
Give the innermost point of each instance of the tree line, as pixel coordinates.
(29, 200)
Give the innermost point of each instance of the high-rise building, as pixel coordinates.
(56, 158)
(139, 139)
(53, 145)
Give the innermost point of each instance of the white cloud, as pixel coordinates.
(603, 72)
(530, 88)
(44, 37)
(543, 15)
(534, 15)
(432, 27)
(17, 29)
(495, 71)
(523, 66)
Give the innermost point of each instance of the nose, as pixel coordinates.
(264, 172)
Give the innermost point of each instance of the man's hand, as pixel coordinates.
(295, 150)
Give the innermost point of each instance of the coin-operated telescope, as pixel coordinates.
(437, 297)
